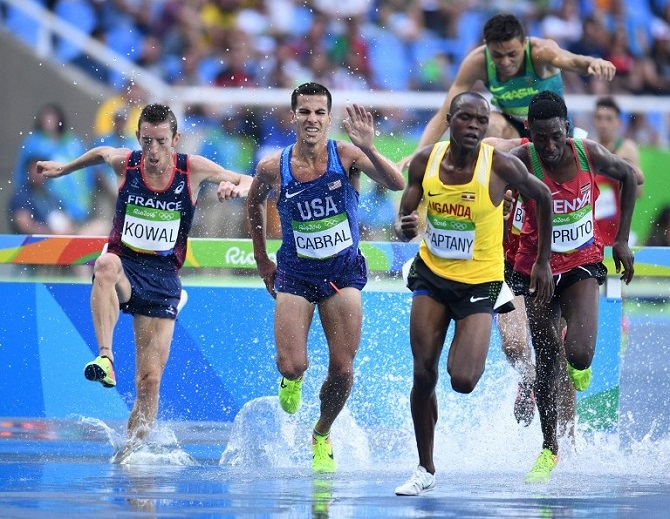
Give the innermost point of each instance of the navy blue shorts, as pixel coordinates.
(519, 282)
(155, 289)
(314, 290)
(461, 299)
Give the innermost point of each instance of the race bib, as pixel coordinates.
(571, 231)
(146, 229)
(450, 239)
(518, 217)
(321, 239)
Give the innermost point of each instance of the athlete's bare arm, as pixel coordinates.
(509, 170)
(472, 69)
(362, 154)
(114, 157)
(231, 184)
(406, 225)
(548, 59)
(267, 176)
(615, 167)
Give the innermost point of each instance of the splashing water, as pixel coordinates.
(160, 447)
(475, 433)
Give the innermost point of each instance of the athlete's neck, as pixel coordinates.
(309, 153)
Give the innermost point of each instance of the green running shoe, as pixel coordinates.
(322, 454)
(101, 370)
(542, 468)
(581, 378)
(290, 392)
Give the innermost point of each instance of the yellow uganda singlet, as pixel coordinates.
(464, 230)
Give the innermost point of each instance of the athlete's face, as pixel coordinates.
(507, 56)
(469, 122)
(311, 118)
(157, 145)
(549, 137)
(607, 123)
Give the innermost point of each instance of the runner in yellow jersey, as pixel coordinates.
(458, 273)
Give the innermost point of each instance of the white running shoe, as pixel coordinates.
(420, 481)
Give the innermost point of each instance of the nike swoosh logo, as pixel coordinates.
(554, 193)
(495, 90)
(291, 195)
(331, 456)
(432, 194)
(474, 299)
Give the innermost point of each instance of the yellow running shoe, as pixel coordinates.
(581, 378)
(101, 370)
(542, 468)
(290, 392)
(322, 453)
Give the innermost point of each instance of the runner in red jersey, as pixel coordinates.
(568, 167)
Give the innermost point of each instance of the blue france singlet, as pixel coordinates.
(153, 225)
(318, 219)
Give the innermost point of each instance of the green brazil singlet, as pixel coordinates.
(513, 96)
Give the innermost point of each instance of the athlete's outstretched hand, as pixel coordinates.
(602, 69)
(228, 190)
(49, 168)
(360, 126)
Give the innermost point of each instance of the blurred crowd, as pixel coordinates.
(413, 45)
(358, 44)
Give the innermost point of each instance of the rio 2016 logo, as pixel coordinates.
(244, 258)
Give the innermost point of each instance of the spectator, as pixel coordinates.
(350, 48)
(656, 68)
(53, 139)
(402, 17)
(223, 142)
(43, 140)
(132, 98)
(595, 41)
(435, 74)
(317, 38)
(33, 209)
(629, 76)
(641, 131)
(152, 55)
(281, 67)
(441, 17)
(563, 24)
(239, 69)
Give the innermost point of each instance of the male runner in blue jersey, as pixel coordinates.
(319, 262)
